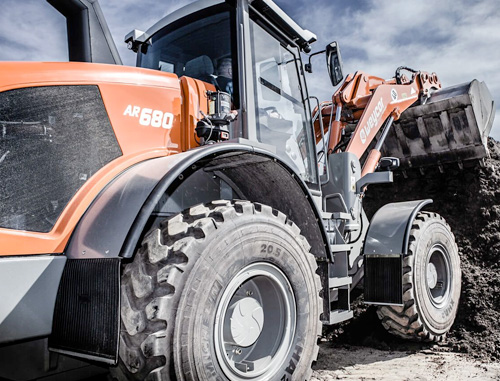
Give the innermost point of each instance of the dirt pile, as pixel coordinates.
(469, 199)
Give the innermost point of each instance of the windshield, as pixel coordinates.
(201, 49)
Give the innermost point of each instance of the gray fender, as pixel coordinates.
(113, 224)
(390, 227)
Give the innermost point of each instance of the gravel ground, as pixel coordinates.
(364, 363)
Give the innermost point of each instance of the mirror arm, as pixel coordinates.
(308, 66)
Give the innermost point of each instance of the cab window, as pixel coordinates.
(280, 108)
(201, 49)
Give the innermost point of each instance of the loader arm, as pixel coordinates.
(368, 102)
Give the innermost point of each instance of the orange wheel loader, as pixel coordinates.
(200, 216)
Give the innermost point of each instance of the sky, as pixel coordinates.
(457, 39)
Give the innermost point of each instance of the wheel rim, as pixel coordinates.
(438, 277)
(255, 323)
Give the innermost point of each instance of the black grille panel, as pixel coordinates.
(383, 279)
(86, 316)
(52, 140)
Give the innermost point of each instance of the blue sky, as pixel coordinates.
(458, 39)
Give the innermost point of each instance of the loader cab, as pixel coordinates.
(263, 47)
(200, 45)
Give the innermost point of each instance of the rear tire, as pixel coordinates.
(223, 291)
(431, 283)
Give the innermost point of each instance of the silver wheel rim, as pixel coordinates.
(438, 275)
(255, 323)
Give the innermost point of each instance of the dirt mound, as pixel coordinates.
(469, 199)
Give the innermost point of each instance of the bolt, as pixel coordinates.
(237, 351)
(249, 293)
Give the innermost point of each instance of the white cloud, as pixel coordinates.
(31, 31)
(457, 39)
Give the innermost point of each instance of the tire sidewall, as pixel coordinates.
(437, 319)
(250, 239)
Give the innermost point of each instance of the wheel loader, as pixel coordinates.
(171, 222)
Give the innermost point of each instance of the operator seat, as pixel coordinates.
(200, 68)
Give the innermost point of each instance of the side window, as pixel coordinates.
(52, 140)
(280, 111)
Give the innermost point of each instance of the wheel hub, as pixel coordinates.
(255, 323)
(438, 274)
(246, 321)
(432, 277)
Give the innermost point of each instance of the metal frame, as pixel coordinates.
(89, 38)
(177, 15)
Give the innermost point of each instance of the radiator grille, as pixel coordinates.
(53, 139)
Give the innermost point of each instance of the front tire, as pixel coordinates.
(431, 283)
(223, 291)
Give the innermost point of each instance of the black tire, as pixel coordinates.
(431, 283)
(209, 261)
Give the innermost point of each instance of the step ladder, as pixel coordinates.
(339, 282)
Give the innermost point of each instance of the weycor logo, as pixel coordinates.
(372, 121)
(150, 117)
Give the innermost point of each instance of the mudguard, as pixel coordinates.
(390, 227)
(385, 246)
(114, 222)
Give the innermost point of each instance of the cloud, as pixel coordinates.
(454, 38)
(457, 39)
(31, 30)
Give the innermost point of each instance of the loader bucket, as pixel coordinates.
(452, 127)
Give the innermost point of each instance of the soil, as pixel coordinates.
(469, 199)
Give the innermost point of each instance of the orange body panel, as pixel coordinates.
(382, 104)
(195, 103)
(144, 108)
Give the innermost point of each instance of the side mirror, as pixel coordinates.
(334, 63)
